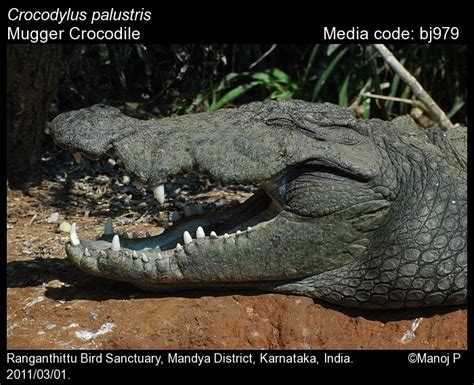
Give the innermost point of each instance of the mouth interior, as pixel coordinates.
(247, 216)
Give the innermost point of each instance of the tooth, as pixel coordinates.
(115, 243)
(134, 254)
(147, 234)
(187, 238)
(108, 228)
(144, 258)
(86, 252)
(134, 235)
(73, 235)
(77, 157)
(158, 248)
(200, 232)
(249, 228)
(213, 234)
(226, 236)
(179, 247)
(238, 232)
(159, 193)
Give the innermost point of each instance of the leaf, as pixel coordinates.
(232, 94)
(366, 104)
(285, 95)
(231, 77)
(261, 76)
(343, 98)
(393, 89)
(331, 49)
(235, 75)
(278, 87)
(280, 75)
(457, 106)
(197, 100)
(310, 63)
(327, 72)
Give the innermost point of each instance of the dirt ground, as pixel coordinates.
(53, 305)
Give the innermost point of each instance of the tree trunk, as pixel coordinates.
(32, 73)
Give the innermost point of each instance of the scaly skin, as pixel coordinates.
(368, 214)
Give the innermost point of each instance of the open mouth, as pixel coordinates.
(225, 224)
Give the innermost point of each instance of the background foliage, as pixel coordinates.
(176, 79)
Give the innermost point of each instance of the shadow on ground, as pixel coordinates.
(79, 286)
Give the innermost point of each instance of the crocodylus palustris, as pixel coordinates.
(362, 213)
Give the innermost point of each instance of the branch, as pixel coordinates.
(415, 103)
(435, 111)
(270, 50)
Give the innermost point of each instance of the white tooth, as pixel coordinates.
(187, 238)
(249, 228)
(73, 235)
(159, 193)
(144, 258)
(213, 234)
(158, 248)
(200, 232)
(108, 228)
(179, 247)
(86, 252)
(115, 243)
(238, 232)
(134, 253)
(226, 236)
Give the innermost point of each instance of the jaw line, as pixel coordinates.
(220, 226)
(142, 267)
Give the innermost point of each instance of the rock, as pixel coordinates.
(65, 227)
(54, 217)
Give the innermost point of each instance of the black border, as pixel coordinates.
(240, 23)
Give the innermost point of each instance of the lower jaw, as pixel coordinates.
(249, 259)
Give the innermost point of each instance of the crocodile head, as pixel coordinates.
(346, 209)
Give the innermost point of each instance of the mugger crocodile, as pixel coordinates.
(361, 213)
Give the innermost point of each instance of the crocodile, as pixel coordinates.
(359, 213)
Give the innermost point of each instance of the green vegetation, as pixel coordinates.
(176, 79)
